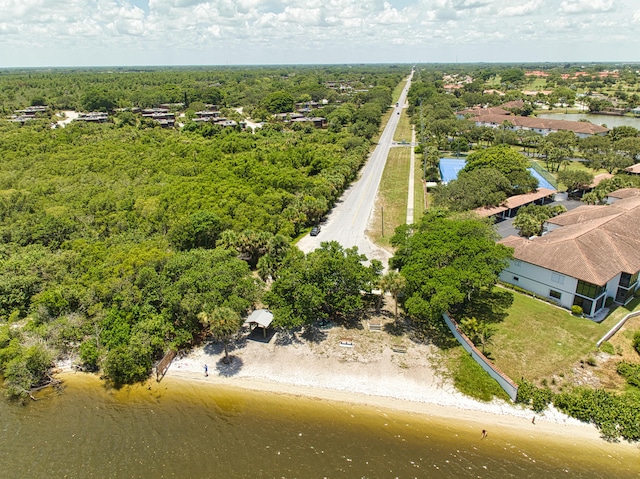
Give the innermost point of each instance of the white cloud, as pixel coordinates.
(586, 6)
(277, 30)
(526, 8)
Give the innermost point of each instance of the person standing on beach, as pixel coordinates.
(206, 371)
(484, 434)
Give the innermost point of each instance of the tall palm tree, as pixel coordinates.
(393, 282)
(223, 322)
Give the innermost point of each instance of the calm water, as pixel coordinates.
(182, 430)
(609, 120)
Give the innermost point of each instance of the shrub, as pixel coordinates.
(607, 347)
(614, 415)
(89, 354)
(636, 342)
(537, 398)
(128, 363)
(630, 371)
(576, 310)
(591, 361)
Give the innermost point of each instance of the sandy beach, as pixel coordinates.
(374, 369)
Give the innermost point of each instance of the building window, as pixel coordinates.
(599, 304)
(589, 290)
(584, 303)
(555, 294)
(515, 278)
(627, 280)
(557, 278)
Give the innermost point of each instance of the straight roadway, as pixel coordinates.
(348, 220)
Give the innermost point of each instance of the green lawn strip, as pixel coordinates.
(538, 340)
(383, 123)
(403, 132)
(574, 165)
(418, 190)
(392, 196)
(397, 90)
(579, 165)
(470, 379)
(618, 312)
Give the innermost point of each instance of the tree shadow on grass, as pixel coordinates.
(230, 368)
(437, 334)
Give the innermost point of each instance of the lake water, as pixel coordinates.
(196, 430)
(609, 120)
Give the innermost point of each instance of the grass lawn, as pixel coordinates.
(538, 340)
(392, 196)
(574, 165)
(578, 165)
(395, 94)
(537, 84)
(403, 132)
(419, 197)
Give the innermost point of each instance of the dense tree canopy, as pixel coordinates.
(325, 284)
(507, 161)
(530, 218)
(447, 261)
(114, 237)
(473, 189)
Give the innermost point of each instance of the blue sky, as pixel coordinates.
(221, 32)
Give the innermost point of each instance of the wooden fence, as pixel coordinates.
(163, 364)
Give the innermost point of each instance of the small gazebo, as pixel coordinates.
(259, 318)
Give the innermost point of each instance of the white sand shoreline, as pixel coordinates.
(370, 374)
(408, 382)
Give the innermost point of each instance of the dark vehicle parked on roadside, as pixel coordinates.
(315, 230)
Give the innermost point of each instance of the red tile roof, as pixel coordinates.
(594, 244)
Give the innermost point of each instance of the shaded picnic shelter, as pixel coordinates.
(261, 318)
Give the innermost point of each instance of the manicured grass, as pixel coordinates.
(578, 165)
(470, 379)
(419, 200)
(574, 165)
(395, 94)
(387, 114)
(538, 340)
(392, 196)
(537, 84)
(619, 312)
(383, 123)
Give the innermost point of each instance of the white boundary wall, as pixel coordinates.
(503, 380)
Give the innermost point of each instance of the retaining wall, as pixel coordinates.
(505, 382)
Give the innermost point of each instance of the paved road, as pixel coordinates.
(348, 220)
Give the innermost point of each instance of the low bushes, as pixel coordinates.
(615, 415)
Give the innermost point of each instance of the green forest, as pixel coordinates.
(116, 239)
